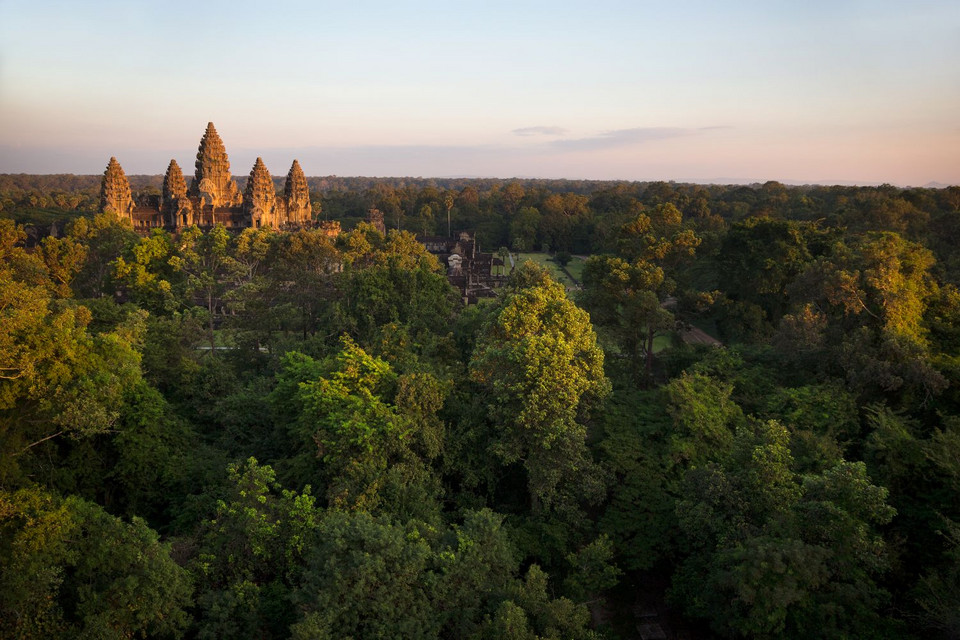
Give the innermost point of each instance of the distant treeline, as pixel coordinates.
(577, 216)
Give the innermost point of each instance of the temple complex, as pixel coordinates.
(213, 197)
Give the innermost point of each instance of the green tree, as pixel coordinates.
(56, 378)
(393, 282)
(651, 440)
(627, 292)
(248, 553)
(107, 237)
(523, 228)
(938, 591)
(301, 278)
(368, 577)
(364, 433)
(71, 570)
(874, 295)
(761, 257)
(772, 554)
(625, 297)
(204, 258)
(147, 278)
(540, 365)
(64, 258)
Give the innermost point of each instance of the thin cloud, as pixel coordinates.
(623, 138)
(539, 131)
(629, 137)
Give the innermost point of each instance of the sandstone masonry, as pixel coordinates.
(213, 197)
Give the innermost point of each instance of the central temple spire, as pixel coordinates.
(212, 180)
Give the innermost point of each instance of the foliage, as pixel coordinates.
(774, 554)
(472, 463)
(70, 570)
(540, 364)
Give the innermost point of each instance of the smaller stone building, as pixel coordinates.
(468, 269)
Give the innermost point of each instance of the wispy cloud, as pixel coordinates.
(622, 138)
(539, 131)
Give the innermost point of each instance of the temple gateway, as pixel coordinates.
(213, 197)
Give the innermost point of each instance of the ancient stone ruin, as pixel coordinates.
(259, 198)
(212, 182)
(115, 193)
(296, 196)
(176, 206)
(375, 217)
(468, 269)
(213, 197)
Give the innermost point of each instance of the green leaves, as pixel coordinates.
(56, 377)
(364, 432)
(368, 577)
(249, 553)
(71, 570)
(539, 361)
(789, 553)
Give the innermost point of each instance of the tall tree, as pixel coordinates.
(204, 258)
(542, 370)
(71, 570)
(627, 292)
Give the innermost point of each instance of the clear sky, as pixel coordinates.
(811, 91)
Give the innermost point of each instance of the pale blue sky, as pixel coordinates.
(694, 91)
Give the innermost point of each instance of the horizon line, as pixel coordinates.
(930, 184)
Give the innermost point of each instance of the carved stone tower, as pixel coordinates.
(259, 199)
(375, 217)
(176, 208)
(115, 191)
(296, 194)
(212, 181)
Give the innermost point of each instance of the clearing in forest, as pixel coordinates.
(570, 278)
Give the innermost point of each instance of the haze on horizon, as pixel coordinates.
(848, 91)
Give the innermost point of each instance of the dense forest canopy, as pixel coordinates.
(285, 434)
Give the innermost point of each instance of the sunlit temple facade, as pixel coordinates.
(213, 196)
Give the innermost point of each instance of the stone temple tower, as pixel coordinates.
(212, 182)
(259, 198)
(176, 208)
(296, 193)
(115, 192)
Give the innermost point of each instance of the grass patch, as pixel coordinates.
(661, 342)
(575, 267)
